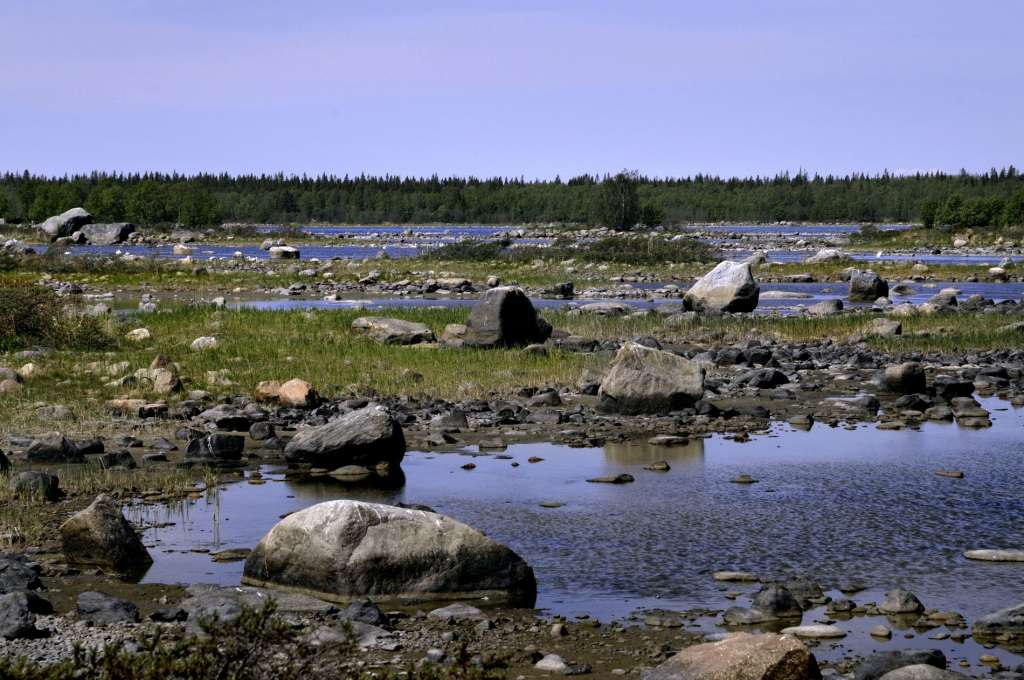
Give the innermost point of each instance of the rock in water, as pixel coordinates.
(645, 380)
(101, 536)
(393, 331)
(505, 317)
(345, 550)
(866, 286)
(741, 657)
(107, 234)
(66, 223)
(365, 437)
(729, 287)
(1005, 624)
(772, 603)
(880, 663)
(922, 672)
(995, 555)
(900, 601)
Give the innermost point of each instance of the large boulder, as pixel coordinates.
(505, 317)
(53, 448)
(107, 234)
(646, 380)
(741, 656)
(346, 550)
(1006, 625)
(366, 437)
(866, 286)
(101, 536)
(393, 331)
(66, 223)
(729, 287)
(216, 450)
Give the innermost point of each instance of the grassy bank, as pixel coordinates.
(319, 346)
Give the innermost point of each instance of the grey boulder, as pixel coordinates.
(367, 437)
(729, 287)
(107, 234)
(905, 378)
(866, 286)
(346, 550)
(53, 448)
(645, 380)
(17, 620)
(35, 484)
(101, 536)
(393, 331)
(17, 573)
(216, 450)
(900, 601)
(505, 317)
(66, 223)
(772, 603)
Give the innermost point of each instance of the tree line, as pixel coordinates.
(988, 199)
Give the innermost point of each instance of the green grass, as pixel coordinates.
(319, 346)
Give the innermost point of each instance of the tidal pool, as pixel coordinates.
(833, 504)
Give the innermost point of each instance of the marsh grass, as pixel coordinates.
(320, 347)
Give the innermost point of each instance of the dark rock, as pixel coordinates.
(880, 663)
(104, 609)
(505, 317)
(35, 484)
(1004, 625)
(16, 618)
(53, 448)
(867, 286)
(905, 378)
(17, 573)
(261, 431)
(117, 459)
(169, 615)
(365, 611)
(216, 450)
(900, 601)
(227, 417)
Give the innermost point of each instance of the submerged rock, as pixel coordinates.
(505, 317)
(741, 657)
(101, 536)
(1005, 624)
(997, 555)
(342, 550)
(729, 287)
(365, 437)
(645, 380)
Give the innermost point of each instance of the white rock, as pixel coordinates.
(815, 631)
(138, 335)
(552, 663)
(995, 555)
(203, 343)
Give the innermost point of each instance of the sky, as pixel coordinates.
(533, 89)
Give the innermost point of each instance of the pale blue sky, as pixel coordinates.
(511, 88)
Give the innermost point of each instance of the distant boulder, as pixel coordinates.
(729, 287)
(505, 317)
(867, 286)
(367, 437)
(65, 224)
(107, 234)
(826, 255)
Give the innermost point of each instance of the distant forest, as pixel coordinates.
(991, 199)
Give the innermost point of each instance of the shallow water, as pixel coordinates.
(832, 504)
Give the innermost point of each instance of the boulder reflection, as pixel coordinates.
(641, 453)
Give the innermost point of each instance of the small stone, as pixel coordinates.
(881, 631)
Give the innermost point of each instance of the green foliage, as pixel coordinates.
(620, 201)
(31, 314)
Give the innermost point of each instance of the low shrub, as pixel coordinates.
(31, 314)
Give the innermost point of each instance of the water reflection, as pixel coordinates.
(643, 453)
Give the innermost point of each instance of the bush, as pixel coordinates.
(31, 314)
